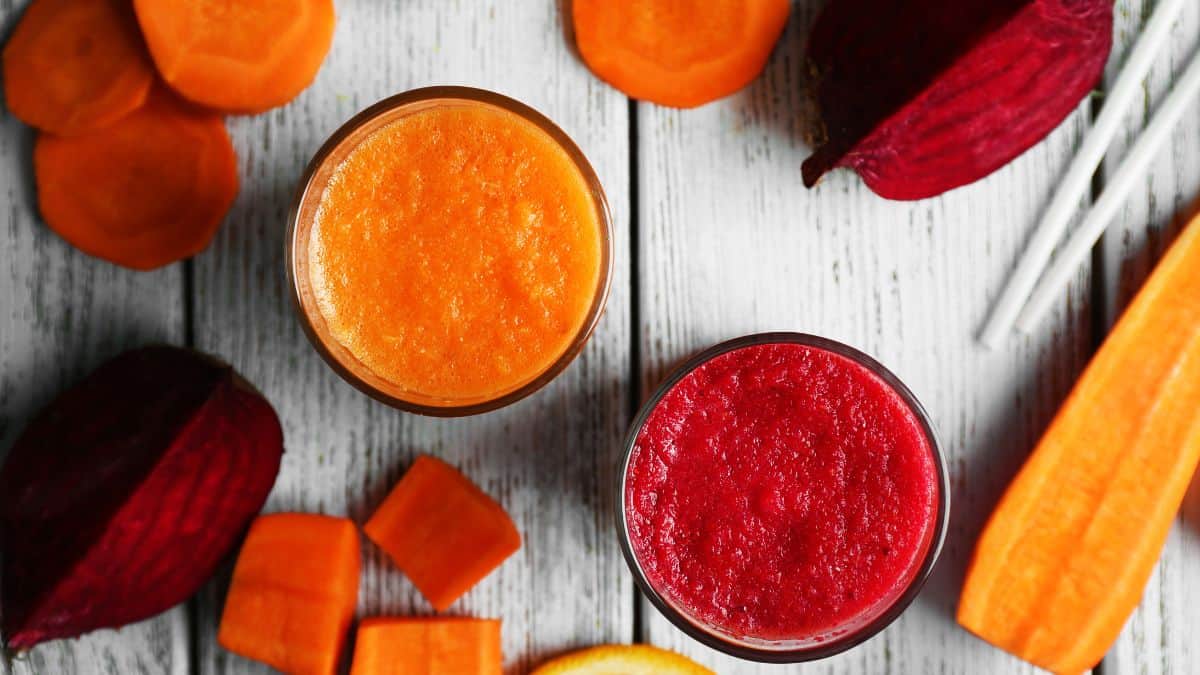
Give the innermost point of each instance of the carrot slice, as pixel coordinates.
(246, 56)
(444, 532)
(680, 53)
(446, 646)
(293, 594)
(624, 659)
(75, 65)
(146, 191)
(1066, 556)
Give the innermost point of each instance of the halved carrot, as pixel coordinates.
(293, 594)
(245, 56)
(421, 646)
(146, 191)
(75, 65)
(1066, 556)
(440, 529)
(680, 53)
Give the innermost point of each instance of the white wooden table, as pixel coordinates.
(715, 238)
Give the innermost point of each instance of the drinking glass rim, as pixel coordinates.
(729, 644)
(342, 362)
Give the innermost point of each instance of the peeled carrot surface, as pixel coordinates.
(680, 53)
(1065, 557)
(76, 65)
(444, 532)
(146, 191)
(245, 56)
(293, 594)
(420, 646)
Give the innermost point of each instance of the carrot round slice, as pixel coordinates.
(75, 65)
(246, 56)
(680, 53)
(147, 191)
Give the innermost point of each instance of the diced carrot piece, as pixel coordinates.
(444, 532)
(76, 65)
(293, 594)
(427, 646)
(245, 56)
(680, 53)
(144, 192)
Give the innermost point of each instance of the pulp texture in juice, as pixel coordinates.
(456, 252)
(781, 492)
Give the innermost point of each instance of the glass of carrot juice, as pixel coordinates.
(449, 251)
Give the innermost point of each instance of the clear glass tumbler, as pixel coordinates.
(843, 637)
(304, 210)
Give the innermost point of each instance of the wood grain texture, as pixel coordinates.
(549, 459)
(62, 314)
(731, 243)
(1160, 638)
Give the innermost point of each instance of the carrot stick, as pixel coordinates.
(411, 646)
(76, 65)
(1065, 557)
(679, 53)
(444, 532)
(146, 191)
(246, 56)
(293, 594)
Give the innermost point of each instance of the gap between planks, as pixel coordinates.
(635, 316)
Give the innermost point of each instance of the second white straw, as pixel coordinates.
(1128, 174)
(1078, 179)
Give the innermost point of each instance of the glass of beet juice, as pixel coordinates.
(783, 497)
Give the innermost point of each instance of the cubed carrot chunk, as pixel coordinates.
(427, 646)
(293, 594)
(444, 532)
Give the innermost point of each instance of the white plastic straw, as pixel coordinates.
(1128, 175)
(1078, 178)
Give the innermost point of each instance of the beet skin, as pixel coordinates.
(923, 96)
(120, 498)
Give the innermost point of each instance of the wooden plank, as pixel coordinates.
(1160, 637)
(550, 459)
(731, 243)
(61, 315)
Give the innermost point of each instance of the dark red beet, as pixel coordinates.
(120, 498)
(923, 96)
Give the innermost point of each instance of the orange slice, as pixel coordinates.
(622, 660)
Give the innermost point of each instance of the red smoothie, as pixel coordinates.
(781, 492)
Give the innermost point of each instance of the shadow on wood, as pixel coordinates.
(1007, 439)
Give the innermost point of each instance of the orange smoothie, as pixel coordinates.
(456, 252)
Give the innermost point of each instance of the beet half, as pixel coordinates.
(120, 498)
(923, 96)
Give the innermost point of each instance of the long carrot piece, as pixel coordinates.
(293, 594)
(440, 529)
(146, 191)
(245, 56)
(680, 53)
(1065, 557)
(423, 646)
(76, 65)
